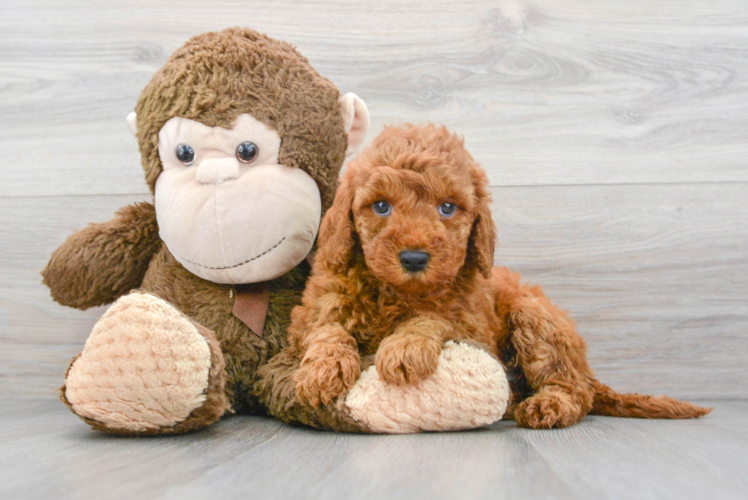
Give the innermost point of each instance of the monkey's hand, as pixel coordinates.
(411, 353)
(330, 366)
(102, 262)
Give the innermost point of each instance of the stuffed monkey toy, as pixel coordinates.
(242, 142)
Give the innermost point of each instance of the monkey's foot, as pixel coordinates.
(147, 369)
(469, 389)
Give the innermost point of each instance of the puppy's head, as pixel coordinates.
(417, 205)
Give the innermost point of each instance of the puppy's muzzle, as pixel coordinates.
(414, 260)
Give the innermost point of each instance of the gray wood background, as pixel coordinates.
(614, 134)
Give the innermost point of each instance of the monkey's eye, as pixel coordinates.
(185, 154)
(447, 209)
(381, 208)
(247, 151)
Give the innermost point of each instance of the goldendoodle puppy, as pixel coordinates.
(405, 263)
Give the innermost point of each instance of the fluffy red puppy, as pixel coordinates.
(405, 263)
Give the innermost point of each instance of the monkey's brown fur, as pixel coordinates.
(212, 79)
(215, 77)
(361, 301)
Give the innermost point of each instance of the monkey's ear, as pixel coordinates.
(132, 122)
(355, 120)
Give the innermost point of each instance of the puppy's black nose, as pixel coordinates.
(414, 260)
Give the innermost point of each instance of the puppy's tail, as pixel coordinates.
(609, 402)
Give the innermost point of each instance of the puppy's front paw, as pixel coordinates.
(322, 379)
(546, 410)
(407, 358)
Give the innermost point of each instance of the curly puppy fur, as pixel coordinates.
(362, 299)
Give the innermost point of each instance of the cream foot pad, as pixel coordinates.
(468, 390)
(144, 366)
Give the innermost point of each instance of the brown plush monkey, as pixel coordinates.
(241, 142)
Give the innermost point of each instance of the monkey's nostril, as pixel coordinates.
(414, 260)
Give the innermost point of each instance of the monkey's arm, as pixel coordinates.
(98, 264)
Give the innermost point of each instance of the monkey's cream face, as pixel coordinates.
(226, 209)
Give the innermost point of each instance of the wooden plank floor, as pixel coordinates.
(46, 452)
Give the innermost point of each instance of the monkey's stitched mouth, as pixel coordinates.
(241, 263)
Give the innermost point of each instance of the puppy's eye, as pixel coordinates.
(447, 209)
(382, 208)
(247, 151)
(185, 154)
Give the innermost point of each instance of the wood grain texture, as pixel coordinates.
(53, 455)
(545, 92)
(613, 134)
(654, 276)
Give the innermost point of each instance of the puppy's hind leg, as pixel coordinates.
(552, 357)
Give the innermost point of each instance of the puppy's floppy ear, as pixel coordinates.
(482, 242)
(335, 240)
